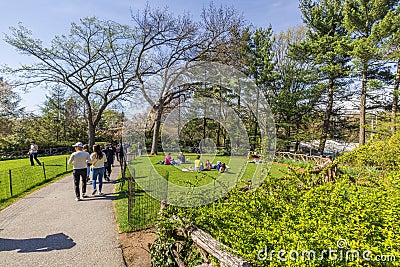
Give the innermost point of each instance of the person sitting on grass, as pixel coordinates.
(257, 160)
(169, 160)
(181, 158)
(217, 166)
(197, 163)
(207, 166)
(222, 168)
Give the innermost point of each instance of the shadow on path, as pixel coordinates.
(51, 242)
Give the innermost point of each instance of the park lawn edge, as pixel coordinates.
(120, 204)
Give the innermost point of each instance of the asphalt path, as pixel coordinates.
(50, 228)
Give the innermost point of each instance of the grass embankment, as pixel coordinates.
(145, 208)
(26, 178)
(297, 220)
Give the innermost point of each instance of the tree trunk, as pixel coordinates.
(91, 133)
(65, 129)
(395, 99)
(224, 136)
(58, 131)
(362, 105)
(218, 134)
(256, 121)
(204, 128)
(287, 132)
(219, 124)
(157, 126)
(255, 133)
(90, 122)
(327, 119)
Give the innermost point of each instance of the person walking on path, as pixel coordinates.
(49, 228)
(80, 159)
(108, 151)
(117, 147)
(98, 159)
(33, 151)
(86, 148)
(139, 147)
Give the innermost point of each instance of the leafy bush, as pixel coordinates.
(383, 155)
(282, 216)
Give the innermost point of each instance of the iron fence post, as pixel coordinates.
(129, 197)
(9, 172)
(166, 189)
(44, 171)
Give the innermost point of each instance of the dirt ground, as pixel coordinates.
(135, 247)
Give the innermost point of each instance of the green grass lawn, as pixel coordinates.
(26, 178)
(18, 163)
(145, 207)
(193, 178)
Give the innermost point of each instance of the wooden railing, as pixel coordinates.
(329, 171)
(319, 160)
(207, 245)
(324, 166)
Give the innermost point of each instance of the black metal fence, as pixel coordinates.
(142, 184)
(14, 182)
(146, 187)
(142, 207)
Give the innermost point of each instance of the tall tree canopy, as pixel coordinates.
(327, 49)
(387, 32)
(9, 111)
(360, 17)
(291, 96)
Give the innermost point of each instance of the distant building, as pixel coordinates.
(331, 147)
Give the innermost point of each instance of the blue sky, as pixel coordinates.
(47, 18)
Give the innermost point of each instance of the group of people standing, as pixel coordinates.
(99, 163)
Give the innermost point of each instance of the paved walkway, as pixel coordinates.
(50, 228)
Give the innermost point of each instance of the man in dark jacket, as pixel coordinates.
(109, 152)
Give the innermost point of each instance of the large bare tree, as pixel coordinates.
(167, 41)
(96, 61)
